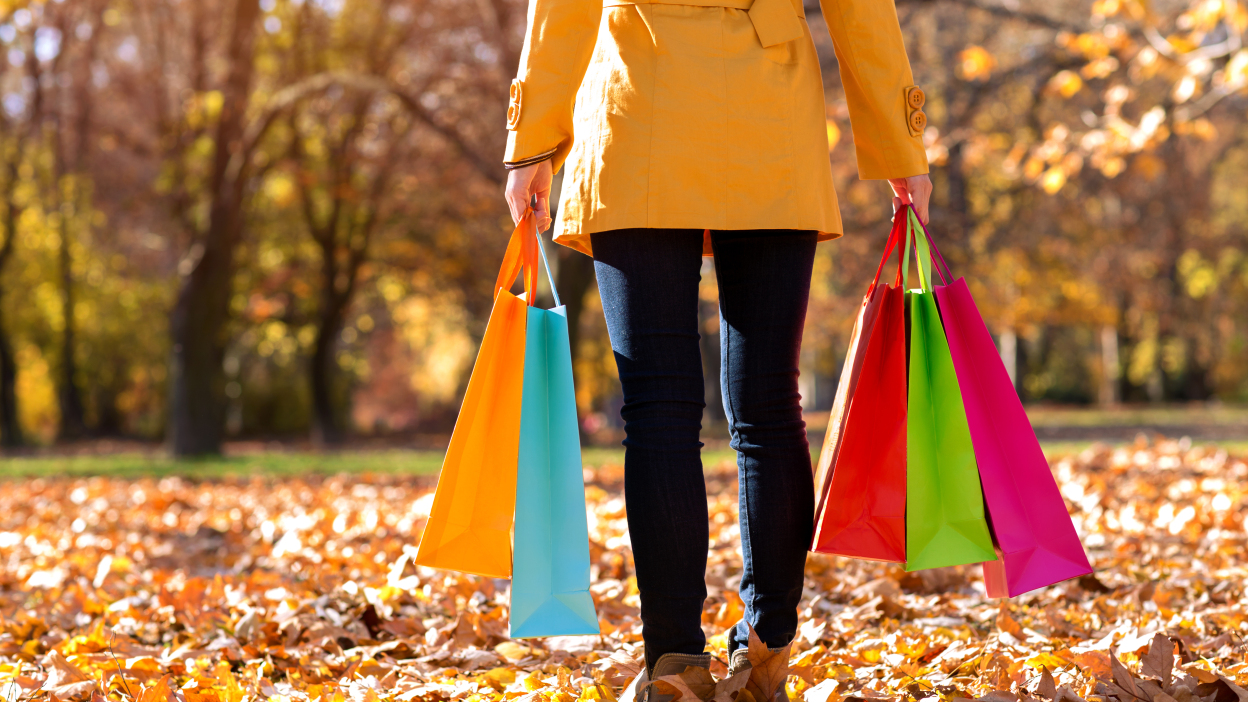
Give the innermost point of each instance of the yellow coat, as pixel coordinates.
(707, 114)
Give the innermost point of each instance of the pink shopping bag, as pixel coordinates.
(1035, 539)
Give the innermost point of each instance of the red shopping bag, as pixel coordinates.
(861, 477)
(1035, 539)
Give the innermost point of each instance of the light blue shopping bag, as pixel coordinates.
(550, 556)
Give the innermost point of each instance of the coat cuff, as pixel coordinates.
(512, 165)
(886, 149)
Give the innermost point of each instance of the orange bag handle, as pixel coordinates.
(521, 258)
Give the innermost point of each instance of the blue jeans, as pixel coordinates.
(648, 283)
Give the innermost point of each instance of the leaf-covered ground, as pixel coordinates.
(302, 588)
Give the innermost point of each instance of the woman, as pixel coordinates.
(699, 129)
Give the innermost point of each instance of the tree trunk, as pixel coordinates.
(1009, 355)
(73, 422)
(73, 419)
(10, 425)
(200, 316)
(1110, 366)
(326, 427)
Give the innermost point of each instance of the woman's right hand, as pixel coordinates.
(915, 191)
(522, 184)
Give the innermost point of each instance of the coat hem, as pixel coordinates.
(581, 242)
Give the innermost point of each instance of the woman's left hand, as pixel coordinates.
(915, 191)
(525, 183)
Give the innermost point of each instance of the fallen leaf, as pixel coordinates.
(1046, 687)
(1123, 678)
(823, 692)
(769, 669)
(1159, 661)
(1007, 624)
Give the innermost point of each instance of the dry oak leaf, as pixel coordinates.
(1159, 661)
(733, 688)
(1123, 679)
(65, 680)
(1065, 694)
(692, 683)
(1046, 688)
(769, 669)
(1007, 623)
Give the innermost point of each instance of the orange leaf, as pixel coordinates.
(769, 668)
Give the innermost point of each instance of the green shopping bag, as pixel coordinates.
(945, 522)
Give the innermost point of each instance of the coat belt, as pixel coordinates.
(775, 21)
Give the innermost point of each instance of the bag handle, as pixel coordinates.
(923, 257)
(942, 268)
(906, 224)
(521, 259)
(894, 237)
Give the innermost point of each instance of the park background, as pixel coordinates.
(280, 219)
(265, 231)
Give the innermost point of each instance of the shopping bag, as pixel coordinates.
(550, 573)
(469, 526)
(945, 522)
(851, 371)
(1035, 538)
(864, 511)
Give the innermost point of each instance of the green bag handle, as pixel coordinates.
(942, 268)
(905, 255)
(922, 253)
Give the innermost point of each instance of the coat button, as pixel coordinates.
(918, 121)
(513, 107)
(915, 97)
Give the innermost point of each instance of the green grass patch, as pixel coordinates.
(1128, 416)
(277, 464)
(271, 464)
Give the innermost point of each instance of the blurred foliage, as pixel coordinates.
(1088, 161)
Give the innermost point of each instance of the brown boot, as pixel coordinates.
(739, 662)
(640, 689)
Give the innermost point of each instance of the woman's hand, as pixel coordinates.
(523, 184)
(915, 191)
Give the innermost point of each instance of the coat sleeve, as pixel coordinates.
(558, 45)
(879, 87)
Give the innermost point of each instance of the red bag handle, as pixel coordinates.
(521, 257)
(894, 237)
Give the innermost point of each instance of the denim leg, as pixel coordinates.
(764, 286)
(648, 283)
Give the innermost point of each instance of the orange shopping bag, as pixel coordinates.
(469, 527)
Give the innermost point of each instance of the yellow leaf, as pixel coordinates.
(1113, 166)
(1235, 75)
(1066, 83)
(502, 676)
(512, 651)
(1053, 180)
(533, 681)
(1047, 660)
(975, 63)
